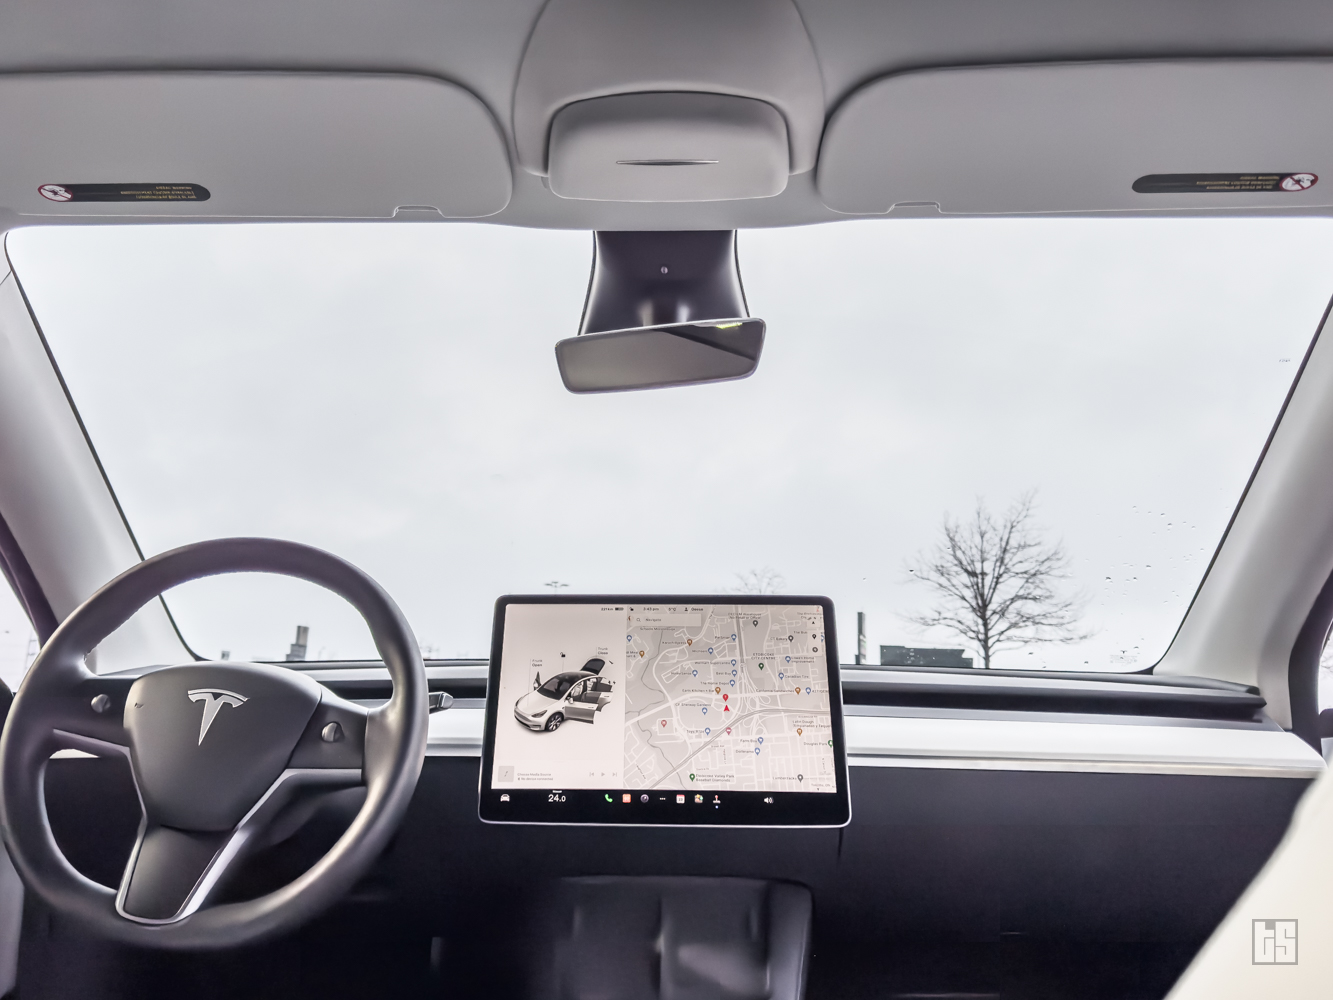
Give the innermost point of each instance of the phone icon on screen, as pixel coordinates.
(608, 797)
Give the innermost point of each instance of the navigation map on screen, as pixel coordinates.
(697, 697)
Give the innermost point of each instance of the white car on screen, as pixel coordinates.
(575, 694)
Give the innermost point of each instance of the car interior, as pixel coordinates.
(449, 337)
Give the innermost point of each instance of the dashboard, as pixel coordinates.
(1042, 814)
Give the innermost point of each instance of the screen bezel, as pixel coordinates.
(589, 807)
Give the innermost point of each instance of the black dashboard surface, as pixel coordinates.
(1027, 884)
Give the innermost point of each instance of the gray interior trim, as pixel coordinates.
(56, 501)
(92, 450)
(1276, 555)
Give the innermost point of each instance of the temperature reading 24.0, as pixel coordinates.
(555, 797)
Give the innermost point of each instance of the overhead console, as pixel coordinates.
(1093, 137)
(681, 711)
(668, 147)
(247, 146)
(689, 101)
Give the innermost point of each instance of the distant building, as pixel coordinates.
(297, 652)
(913, 656)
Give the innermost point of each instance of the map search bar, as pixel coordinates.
(664, 618)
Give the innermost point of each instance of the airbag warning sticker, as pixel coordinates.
(1223, 183)
(124, 192)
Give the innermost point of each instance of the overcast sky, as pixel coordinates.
(389, 392)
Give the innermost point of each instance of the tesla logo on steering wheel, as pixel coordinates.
(214, 699)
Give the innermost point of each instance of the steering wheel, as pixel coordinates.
(217, 749)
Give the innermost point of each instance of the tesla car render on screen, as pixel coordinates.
(577, 695)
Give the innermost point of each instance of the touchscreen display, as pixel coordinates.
(667, 710)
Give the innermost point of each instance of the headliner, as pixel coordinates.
(479, 44)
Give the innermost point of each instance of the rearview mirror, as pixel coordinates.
(663, 309)
(654, 357)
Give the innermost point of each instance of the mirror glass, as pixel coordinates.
(653, 357)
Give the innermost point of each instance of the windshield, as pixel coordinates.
(389, 392)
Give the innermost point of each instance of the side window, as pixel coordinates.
(18, 641)
(1326, 687)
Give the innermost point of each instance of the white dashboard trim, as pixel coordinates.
(1110, 746)
(1083, 766)
(1119, 745)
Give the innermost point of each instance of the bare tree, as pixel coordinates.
(760, 581)
(996, 582)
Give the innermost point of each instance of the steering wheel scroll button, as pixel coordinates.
(331, 733)
(101, 703)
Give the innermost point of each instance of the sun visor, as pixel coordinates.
(1127, 137)
(247, 145)
(668, 148)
